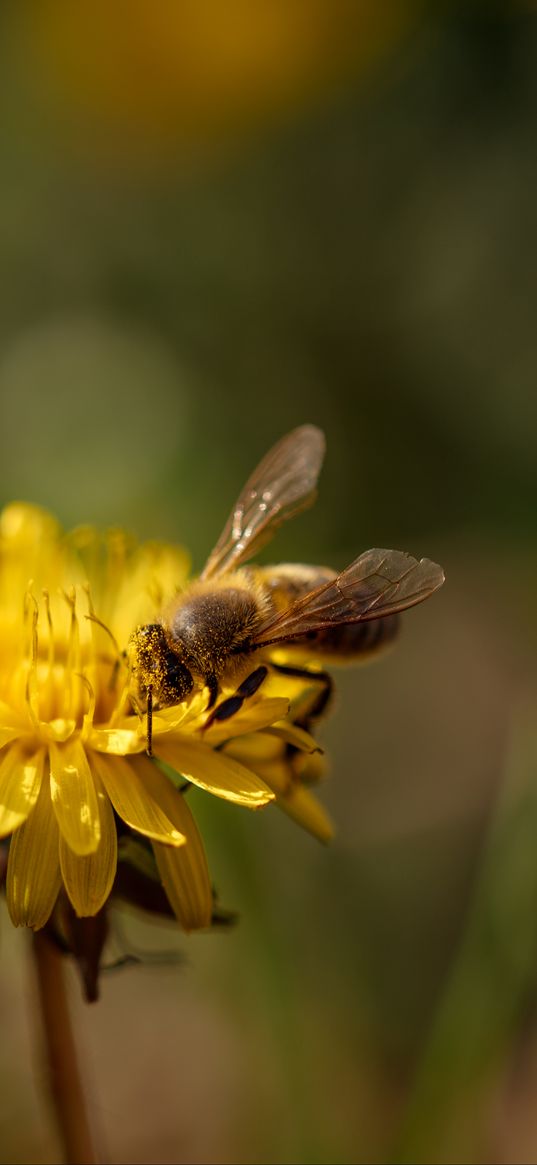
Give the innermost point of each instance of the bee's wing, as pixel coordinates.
(378, 583)
(282, 485)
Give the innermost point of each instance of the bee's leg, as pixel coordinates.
(211, 683)
(252, 682)
(232, 704)
(321, 702)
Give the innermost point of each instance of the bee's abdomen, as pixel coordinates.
(292, 580)
(352, 640)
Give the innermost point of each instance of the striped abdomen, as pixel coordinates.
(347, 642)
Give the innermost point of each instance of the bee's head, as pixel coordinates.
(156, 668)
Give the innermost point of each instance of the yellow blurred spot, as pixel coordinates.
(198, 71)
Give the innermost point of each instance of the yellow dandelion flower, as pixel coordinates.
(72, 748)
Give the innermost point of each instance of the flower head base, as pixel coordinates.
(72, 746)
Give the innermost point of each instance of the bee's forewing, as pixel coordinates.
(282, 485)
(378, 583)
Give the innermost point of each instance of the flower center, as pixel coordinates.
(69, 674)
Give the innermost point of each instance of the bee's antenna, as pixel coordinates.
(149, 745)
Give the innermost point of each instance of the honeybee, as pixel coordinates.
(234, 616)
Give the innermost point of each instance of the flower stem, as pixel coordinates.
(63, 1071)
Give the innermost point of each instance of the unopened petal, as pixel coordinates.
(137, 795)
(213, 771)
(33, 872)
(74, 797)
(88, 879)
(20, 780)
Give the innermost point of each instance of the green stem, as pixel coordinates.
(60, 1053)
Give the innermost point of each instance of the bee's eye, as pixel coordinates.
(177, 683)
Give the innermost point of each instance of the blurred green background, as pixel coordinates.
(218, 222)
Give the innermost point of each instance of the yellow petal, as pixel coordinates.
(278, 774)
(11, 717)
(183, 875)
(57, 730)
(137, 795)
(74, 797)
(20, 781)
(259, 748)
(262, 749)
(88, 879)
(294, 735)
(7, 734)
(186, 712)
(294, 688)
(33, 872)
(282, 777)
(249, 719)
(184, 872)
(213, 771)
(308, 812)
(117, 741)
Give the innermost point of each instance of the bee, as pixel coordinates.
(231, 624)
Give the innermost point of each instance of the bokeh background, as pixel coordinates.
(218, 221)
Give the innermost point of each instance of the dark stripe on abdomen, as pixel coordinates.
(351, 640)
